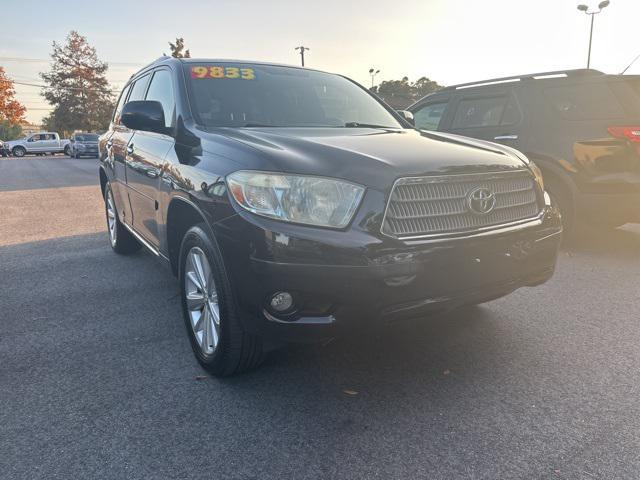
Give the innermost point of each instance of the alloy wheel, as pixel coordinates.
(201, 297)
(111, 218)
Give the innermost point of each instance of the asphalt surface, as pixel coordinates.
(31, 172)
(97, 379)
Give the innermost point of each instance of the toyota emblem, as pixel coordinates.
(481, 201)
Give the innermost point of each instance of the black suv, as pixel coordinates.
(581, 127)
(291, 203)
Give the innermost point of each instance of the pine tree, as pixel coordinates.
(77, 87)
(177, 48)
(11, 110)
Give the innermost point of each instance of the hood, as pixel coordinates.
(371, 157)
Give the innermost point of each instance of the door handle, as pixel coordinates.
(130, 148)
(151, 173)
(506, 137)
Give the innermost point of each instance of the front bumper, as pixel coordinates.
(382, 282)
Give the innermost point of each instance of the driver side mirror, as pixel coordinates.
(407, 115)
(145, 115)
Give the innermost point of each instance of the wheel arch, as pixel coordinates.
(182, 214)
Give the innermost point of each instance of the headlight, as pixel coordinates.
(537, 174)
(319, 201)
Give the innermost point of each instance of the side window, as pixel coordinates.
(34, 138)
(118, 111)
(161, 90)
(138, 89)
(428, 116)
(480, 112)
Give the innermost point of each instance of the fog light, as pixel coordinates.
(281, 301)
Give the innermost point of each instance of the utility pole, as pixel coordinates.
(373, 72)
(302, 50)
(585, 9)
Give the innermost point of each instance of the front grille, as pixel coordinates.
(425, 206)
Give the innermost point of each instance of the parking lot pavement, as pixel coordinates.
(46, 172)
(97, 378)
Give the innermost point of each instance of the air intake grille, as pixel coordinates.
(424, 206)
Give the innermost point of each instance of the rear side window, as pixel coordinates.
(485, 112)
(587, 101)
(161, 90)
(428, 117)
(118, 111)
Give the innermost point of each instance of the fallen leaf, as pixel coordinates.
(353, 393)
(446, 372)
(201, 377)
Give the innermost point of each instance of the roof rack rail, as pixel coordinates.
(529, 76)
(157, 60)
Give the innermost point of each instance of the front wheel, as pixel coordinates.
(121, 239)
(19, 151)
(209, 307)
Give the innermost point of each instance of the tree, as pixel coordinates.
(177, 48)
(10, 109)
(10, 131)
(77, 87)
(402, 93)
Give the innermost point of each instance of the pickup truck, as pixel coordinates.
(38, 143)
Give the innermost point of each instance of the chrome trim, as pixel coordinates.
(493, 229)
(150, 247)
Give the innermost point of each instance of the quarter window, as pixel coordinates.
(161, 90)
(428, 117)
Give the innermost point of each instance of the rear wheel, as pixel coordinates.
(67, 150)
(19, 151)
(121, 239)
(209, 307)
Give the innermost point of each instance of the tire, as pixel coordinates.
(121, 239)
(67, 150)
(562, 197)
(19, 152)
(210, 313)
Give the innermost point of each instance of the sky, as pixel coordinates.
(450, 41)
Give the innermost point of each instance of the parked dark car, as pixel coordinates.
(581, 127)
(84, 144)
(291, 203)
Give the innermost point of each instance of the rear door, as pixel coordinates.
(119, 141)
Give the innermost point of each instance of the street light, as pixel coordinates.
(373, 72)
(585, 8)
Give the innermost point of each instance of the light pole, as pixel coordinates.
(373, 72)
(585, 8)
(302, 50)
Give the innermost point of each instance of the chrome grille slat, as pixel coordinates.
(438, 205)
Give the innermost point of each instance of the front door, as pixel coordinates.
(492, 116)
(146, 153)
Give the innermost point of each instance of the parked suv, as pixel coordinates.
(84, 144)
(292, 203)
(581, 127)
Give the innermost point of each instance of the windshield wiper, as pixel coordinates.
(364, 125)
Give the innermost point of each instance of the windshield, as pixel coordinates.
(237, 95)
(87, 138)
